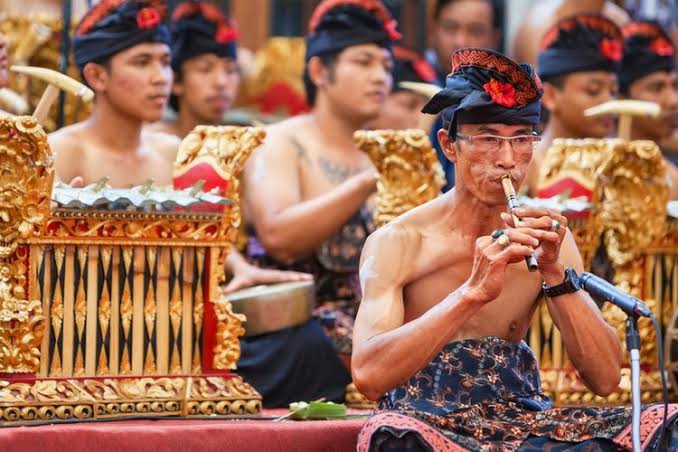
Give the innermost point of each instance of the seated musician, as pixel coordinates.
(402, 108)
(649, 73)
(206, 72)
(307, 189)
(124, 55)
(206, 81)
(578, 63)
(447, 296)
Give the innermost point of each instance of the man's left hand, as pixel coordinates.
(550, 228)
(247, 275)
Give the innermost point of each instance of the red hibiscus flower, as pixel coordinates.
(225, 34)
(392, 30)
(661, 47)
(503, 94)
(148, 18)
(611, 49)
(424, 70)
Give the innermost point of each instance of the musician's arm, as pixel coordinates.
(591, 343)
(287, 226)
(387, 351)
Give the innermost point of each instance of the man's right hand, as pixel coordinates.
(491, 259)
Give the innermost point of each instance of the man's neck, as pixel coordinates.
(484, 220)
(556, 129)
(186, 121)
(118, 132)
(334, 127)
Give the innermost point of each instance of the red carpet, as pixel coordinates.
(185, 436)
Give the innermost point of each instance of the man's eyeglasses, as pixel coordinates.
(492, 143)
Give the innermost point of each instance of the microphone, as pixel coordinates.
(601, 290)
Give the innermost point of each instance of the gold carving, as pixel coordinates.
(33, 39)
(53, 400)
(26, 178)
(139, 228)
(268, 73)
(578, 159)
(198, 311)
(150, 311)
(409, 171)
(225, 149)
(224, 396)
(175, 314)
(229, 329)
(104, 312)
(93, 313)
(632, 199)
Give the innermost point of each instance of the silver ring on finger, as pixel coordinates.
(497, 233)
(503, 240)
(555, 226)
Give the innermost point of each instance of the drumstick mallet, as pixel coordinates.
(626, 109)
(512, 202)
(56, 81)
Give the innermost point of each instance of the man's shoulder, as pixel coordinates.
(164, 144)
(403, 231)
(68, 140)
(288, 129)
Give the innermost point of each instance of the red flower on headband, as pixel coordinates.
(392, 30)
(661, 47)
(503, 94)
(611, 49)
(424, 70)
(226, 34)
(148, 18)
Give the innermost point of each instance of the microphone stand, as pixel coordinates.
(633, 347)
(602, 291)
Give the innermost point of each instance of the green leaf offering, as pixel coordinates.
(317, 410)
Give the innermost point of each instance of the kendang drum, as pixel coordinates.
(270, 308)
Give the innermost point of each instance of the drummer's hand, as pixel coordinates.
(248, 275)
(77, 182)
(550, 239)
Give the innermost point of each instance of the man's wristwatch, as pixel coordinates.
(571, 284)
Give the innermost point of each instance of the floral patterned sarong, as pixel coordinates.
(485, 394)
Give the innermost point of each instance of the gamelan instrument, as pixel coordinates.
(110, 304)
(274, 307)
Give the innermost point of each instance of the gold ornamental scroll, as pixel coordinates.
(25, 186)
(409, 171)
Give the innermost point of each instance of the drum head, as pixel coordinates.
(274, 307)
(267, 289)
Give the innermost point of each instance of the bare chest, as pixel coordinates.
(508, 316)
(126, 170)
(321, 171)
